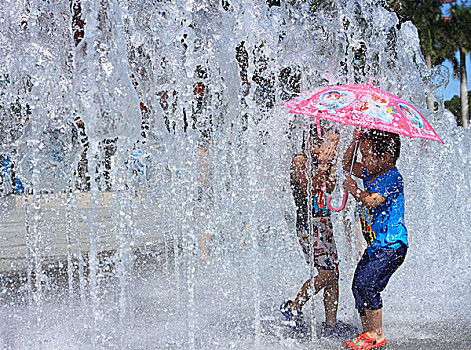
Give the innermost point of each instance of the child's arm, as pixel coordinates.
(369, 200)
(357, 169)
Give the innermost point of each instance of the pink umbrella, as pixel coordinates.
(364, 106)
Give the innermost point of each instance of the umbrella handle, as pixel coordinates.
(345, 195)
(344, 202)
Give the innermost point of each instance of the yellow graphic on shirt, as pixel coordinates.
(366, 223)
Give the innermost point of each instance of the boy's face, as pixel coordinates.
(372, 163)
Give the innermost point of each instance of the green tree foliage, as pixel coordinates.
(460, 26)
(427, 17)
(454, 106)
(455, 34)
(441, 38)
(460, 40)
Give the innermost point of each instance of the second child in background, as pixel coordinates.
(323, 153)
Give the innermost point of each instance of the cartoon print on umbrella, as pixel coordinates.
(335, 99)
(302, 97)
(415, 121)
(376, 107)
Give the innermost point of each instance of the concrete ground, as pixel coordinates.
(159, 304)
(58, 232)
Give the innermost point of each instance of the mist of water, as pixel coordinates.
(180, 227)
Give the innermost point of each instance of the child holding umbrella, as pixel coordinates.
(383, 227)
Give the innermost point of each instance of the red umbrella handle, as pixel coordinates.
(344, 202)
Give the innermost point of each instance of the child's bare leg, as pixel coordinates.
(327, 279)
(303, 296)
(364, 323)
(372, 324)
(331, 297)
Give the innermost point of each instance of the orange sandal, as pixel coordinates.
(364, 342)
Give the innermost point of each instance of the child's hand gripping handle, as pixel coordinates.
(345, 195)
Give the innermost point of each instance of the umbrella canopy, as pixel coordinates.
(365, 106)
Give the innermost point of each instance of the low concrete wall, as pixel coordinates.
(50, 232)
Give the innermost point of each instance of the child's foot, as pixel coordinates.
(364, 342)
(294, 318)
(339, 329)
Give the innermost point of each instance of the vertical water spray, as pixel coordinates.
(78, 251)
(125, 231)
(168, 77)
(70, 255)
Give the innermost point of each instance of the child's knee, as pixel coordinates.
(329, 276)
(332, 279)
(364, 286)
(335, 276)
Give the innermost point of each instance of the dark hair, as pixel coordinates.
(383, 142)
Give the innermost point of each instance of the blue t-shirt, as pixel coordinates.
(384, 227)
